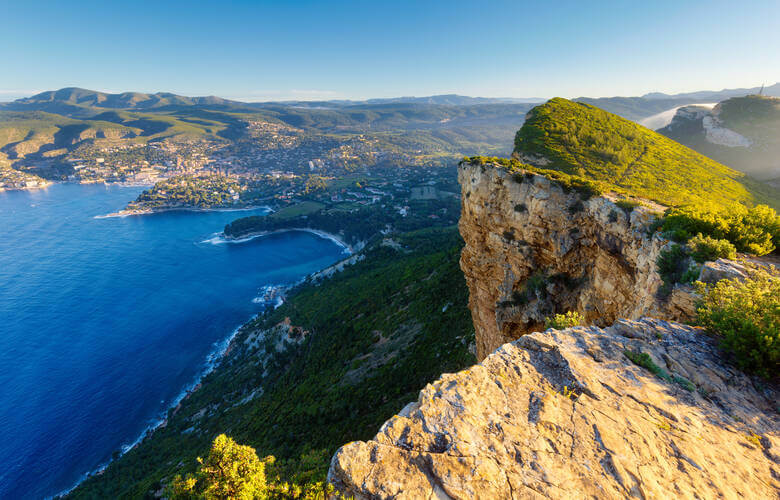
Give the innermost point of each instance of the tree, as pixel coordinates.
(231, 471)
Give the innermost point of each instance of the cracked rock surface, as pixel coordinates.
(567, 414)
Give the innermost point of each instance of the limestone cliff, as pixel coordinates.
(533, 249)
(644, 408)
(567, 414)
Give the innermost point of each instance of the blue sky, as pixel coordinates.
(270, 50)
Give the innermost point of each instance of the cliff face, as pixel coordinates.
(644, 408)
(533, 250)
(567, 414)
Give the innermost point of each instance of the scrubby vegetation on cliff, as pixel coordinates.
(370, 338)
(745, 315)
(755, 230)
(568, 182)
(590, 143)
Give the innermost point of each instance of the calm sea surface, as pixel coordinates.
(104, 322)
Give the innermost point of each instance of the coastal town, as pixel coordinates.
(269, 164)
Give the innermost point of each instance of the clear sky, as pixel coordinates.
(270, 50)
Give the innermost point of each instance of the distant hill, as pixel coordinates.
(456, 100)
(73, 96)
(581, 139)
(45, 128)
(642, 107)
(717, 95)
(742, 132)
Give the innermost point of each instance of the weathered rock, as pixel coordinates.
(566, 414)
(534, 250)
(712, 272)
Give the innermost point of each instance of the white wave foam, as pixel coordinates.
(221, 239)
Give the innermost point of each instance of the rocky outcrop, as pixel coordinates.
(534, 249)
(642, 409)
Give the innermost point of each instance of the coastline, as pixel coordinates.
(211, 363)
(27, 188)
(221, 348)
(223, 238)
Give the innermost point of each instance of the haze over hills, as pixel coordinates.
(743, 132)
(642, 107)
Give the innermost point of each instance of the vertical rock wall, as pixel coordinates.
(533, 250)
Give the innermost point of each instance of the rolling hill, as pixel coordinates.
(52, 124)
(583, 140)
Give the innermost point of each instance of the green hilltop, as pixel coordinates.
(585, 141)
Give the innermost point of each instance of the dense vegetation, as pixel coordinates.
(753, 230)
(582, 140)
(745, 315)
(203, 191)
(376, 334)
(354, 225)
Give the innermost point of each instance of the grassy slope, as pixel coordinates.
(583, 140)
(381, 330)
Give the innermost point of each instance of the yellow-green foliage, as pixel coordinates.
(586, 141)
(568, 182)
(755, 230)
(745, 315)
(704, 248)
(231, 471)
(561, 321)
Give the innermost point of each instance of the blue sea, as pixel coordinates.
(104, 322)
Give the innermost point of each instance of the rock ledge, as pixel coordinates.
(566, 414)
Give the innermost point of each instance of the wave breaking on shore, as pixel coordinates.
(221, 239)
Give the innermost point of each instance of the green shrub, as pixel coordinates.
(567, 320)
(672, 264)
(231, 470)
(691, 274)
(745, 315)
(704, 248)
(753, 230)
